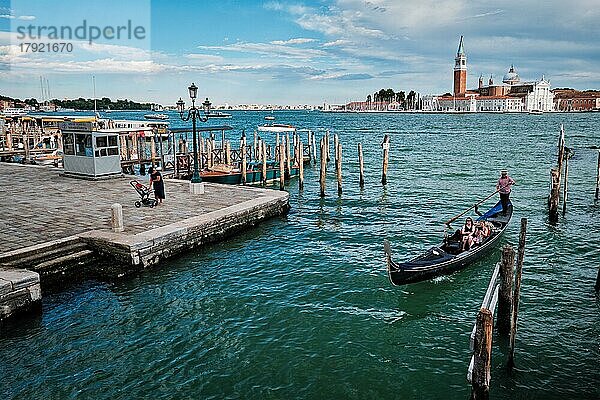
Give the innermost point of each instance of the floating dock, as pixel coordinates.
(54, 228)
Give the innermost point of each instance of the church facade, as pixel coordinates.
(510, 95)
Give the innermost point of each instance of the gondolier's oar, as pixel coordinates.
(451, 220)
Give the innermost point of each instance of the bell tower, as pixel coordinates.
(460, 70)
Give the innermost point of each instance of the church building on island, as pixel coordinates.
(510, 95)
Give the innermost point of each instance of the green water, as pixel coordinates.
(301, 306)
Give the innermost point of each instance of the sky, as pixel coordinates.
(291, 52)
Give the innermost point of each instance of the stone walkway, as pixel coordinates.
(39, 205)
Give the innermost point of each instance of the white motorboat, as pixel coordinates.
(14, 112)
(276, 128)
(218, 114)
(156, 116)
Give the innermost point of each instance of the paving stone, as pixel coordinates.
(41, 205)
(19, 278)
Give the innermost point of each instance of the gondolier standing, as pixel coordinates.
(504, 186)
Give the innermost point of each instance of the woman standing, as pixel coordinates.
(504, 186)
(156, 182)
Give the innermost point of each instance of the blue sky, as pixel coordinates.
(290, 52)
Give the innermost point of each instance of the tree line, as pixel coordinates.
(101, 104)
(390, 95)
(86, 104)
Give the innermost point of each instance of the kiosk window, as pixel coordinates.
(107, 146)
(101, 141)
(68, 144)
(83, 145)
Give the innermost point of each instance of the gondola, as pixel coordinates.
(447, 257)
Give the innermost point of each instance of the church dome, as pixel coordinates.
(511, 76)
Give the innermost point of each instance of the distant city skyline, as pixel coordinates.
(305, 52)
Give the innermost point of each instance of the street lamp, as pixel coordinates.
(194, 114)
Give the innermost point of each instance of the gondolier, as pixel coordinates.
(504, 187)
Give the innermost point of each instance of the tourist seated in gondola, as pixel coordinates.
(482, 231)
(468, 234)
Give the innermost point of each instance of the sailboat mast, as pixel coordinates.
(94, 82)
(41, 89)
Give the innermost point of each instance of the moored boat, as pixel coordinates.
(253, 174)
(14, 112)
(217, 114)
(156, 116)
(446, 257)
(277, 128)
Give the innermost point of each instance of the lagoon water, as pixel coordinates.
(301, 307)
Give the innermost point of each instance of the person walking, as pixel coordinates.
(504, 187)
(157, 183)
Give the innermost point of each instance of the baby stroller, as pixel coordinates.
(144, 193)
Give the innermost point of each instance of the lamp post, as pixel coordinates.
(195, 114)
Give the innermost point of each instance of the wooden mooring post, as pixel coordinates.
(338, 166)
(489, 303)
(361, 166)
(264, 164)
(287, 157)
(314, 148)
(243, 154)
(301, 166)
(517, 293)
(568, 154)
(561, 149)
(328, 158)
(598, 179)
(505, 293)
(480, 385)
(386, 150)
(308, 145)
(209, 151)
(255, 148)
(227, 152)
(281, 166)
(555, 177)
(323, 171)
(553, 199)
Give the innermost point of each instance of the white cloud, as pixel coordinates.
(338, 42)
(204, 58)
(269, 49)
(293, 41)
(20, 17)
(37, 65)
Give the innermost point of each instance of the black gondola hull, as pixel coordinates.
(416, 271)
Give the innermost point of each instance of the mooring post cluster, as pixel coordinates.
(289, 153)
(558, 173)
(502, 292)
